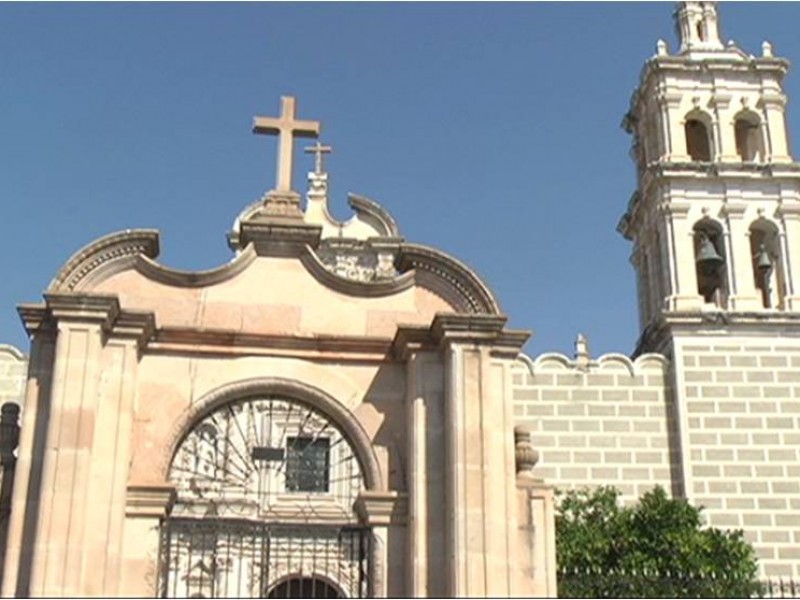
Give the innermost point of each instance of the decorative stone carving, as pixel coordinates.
(358, 261)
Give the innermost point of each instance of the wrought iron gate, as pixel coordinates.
(218, 558)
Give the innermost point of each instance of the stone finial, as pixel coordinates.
(698, 26)
(661, 48)
(766, 49)
(582, 355)
(525, 455)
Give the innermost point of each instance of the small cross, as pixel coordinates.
(286, 127)
(318, 149)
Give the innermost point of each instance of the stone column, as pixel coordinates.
(480, 491)
(724, 138)
(744, 295)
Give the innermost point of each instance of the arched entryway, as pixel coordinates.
(265, 491)
(305, 587)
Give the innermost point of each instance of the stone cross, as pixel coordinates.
(286, 127)
(318, 150)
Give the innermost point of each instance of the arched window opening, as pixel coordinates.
(700, 33)
(709, 252)
(748, 139)
(766, 261)
(698, 143)
(266, 488)
(304, 587)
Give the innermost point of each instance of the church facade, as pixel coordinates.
(339, 412)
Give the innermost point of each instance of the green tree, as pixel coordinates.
(657, 548)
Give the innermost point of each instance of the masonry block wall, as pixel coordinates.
(742, 442)
(719, 424)
(598, 422)
(13, 370)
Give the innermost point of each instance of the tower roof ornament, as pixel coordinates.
(698, 26)
(318, 150)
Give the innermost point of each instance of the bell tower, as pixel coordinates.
(715, 218)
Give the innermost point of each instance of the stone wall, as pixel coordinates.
(720, 426)
(742, 423)
(13, 370)
(598, 422)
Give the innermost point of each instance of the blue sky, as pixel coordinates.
(489, 130)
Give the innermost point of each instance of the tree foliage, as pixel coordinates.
(657, 548)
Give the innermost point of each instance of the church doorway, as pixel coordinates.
(266, 488)
(304, 587)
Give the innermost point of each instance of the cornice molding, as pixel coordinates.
(107, 255)
(208, 341)
(450, 328)
(277, 236)
(657, 334)
(102, 310)
(194, 279)
(422, 265)
(374, 214)
(152, 501)
(449, 278)
(382, 508)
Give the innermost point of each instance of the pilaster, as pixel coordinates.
(425, 560)
(742, 286)
(685, 296)
(481, 525)
(75, 465)
(773, 105)
(789, 216)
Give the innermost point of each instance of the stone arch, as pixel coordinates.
(748, 137)
(275, 589)
(766, 258)
(709, 240)
(291, 389)
(697, 127)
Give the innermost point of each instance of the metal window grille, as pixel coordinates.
(307, 464)
(219, 558)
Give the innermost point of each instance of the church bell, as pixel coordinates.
(708, 260)
(763, 261)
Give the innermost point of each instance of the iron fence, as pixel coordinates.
(591, 583)
(218, 558)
